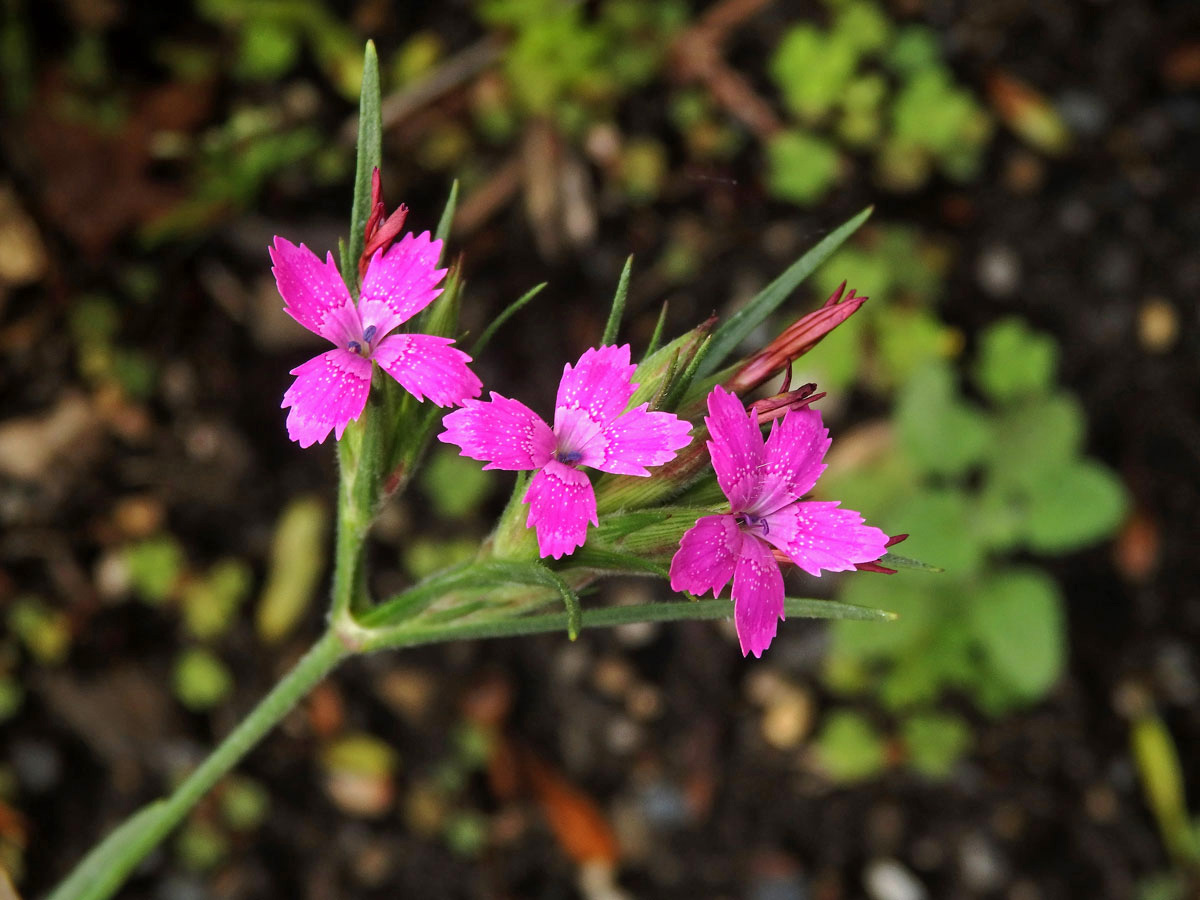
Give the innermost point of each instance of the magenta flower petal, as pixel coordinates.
(561, 503)
(329, 392)
(736, 448)
(598, 383)
(795, 450)
(707, 555)
(427, 366)
(639, 439)
(506, 433)
(820, 535)
(313, 292)
(400, 283)
(757, 596)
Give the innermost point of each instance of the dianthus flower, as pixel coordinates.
(591, 428)
(330, 390)
(764, 484)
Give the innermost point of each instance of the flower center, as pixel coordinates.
(760, 523)
(363, 348)
(568, 457)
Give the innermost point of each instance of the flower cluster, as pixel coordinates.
(594, 426)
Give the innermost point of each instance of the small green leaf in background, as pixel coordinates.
(849, 747)
(209, 604)
(1017, 618)
(12, 695)
(935, 742)
(1163, 784)
(1073, 506)
(201, 680)
(297, 561)
(942, 433)
(201, 846)
(863, 24)
(455, 485)
(44, 631)
(801, 166)
(812, 69)
(916, 47)
(1014, 361)
(915, 606)
(244, 803)
(154, 565)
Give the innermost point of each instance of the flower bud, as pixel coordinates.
(796, 340)
(381, 229)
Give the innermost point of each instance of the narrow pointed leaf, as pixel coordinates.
(370, 152)
(509, 311)
(618, 305)
(447, 220)
(658, 330)
(612, 562)
(895, 561)
(729, 335)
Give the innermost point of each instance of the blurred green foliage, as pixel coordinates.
(975, 485)
(873, 87)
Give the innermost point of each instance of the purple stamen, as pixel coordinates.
(369, 333)
(569, 457)
(354, 347)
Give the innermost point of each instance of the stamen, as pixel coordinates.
(354, 347)
(369, 333)
(568, 457)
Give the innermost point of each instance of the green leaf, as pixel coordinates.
(1017, 619)
(1163, 783)
(614, 562)
(943, 434)
(455, 485)
(447, 220)
(656, 337)
(850, 748)
(370, 152)
(740, 324)
(801, 166)
(914, 605)
(155, 566)
(812, 69)
(1034, 437)
(201, 680)
(297, 560)
(942, 528)
(618, 305)
(509, 311)
(1073, 506)
(935, 742)
(1015, 361)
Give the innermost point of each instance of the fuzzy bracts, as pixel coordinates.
(764, 484)
(592, 428)
(331, 390)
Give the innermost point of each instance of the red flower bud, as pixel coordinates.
(381, 229)
(796, 340)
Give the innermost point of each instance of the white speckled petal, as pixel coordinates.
(819, 535)
(505, 432)
(329, 392)
(736, 448)
(313, 292)
(639, 439)
(400, 283)
(599, 383)
(757, 596)
(795, 452)
(561, 503)
(427, 366)
(706, 556)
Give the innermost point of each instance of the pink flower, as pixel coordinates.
(591, 428)
(331, 389)
(764, 484)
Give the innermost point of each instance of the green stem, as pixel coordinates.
(410, 634)
(105, 869)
